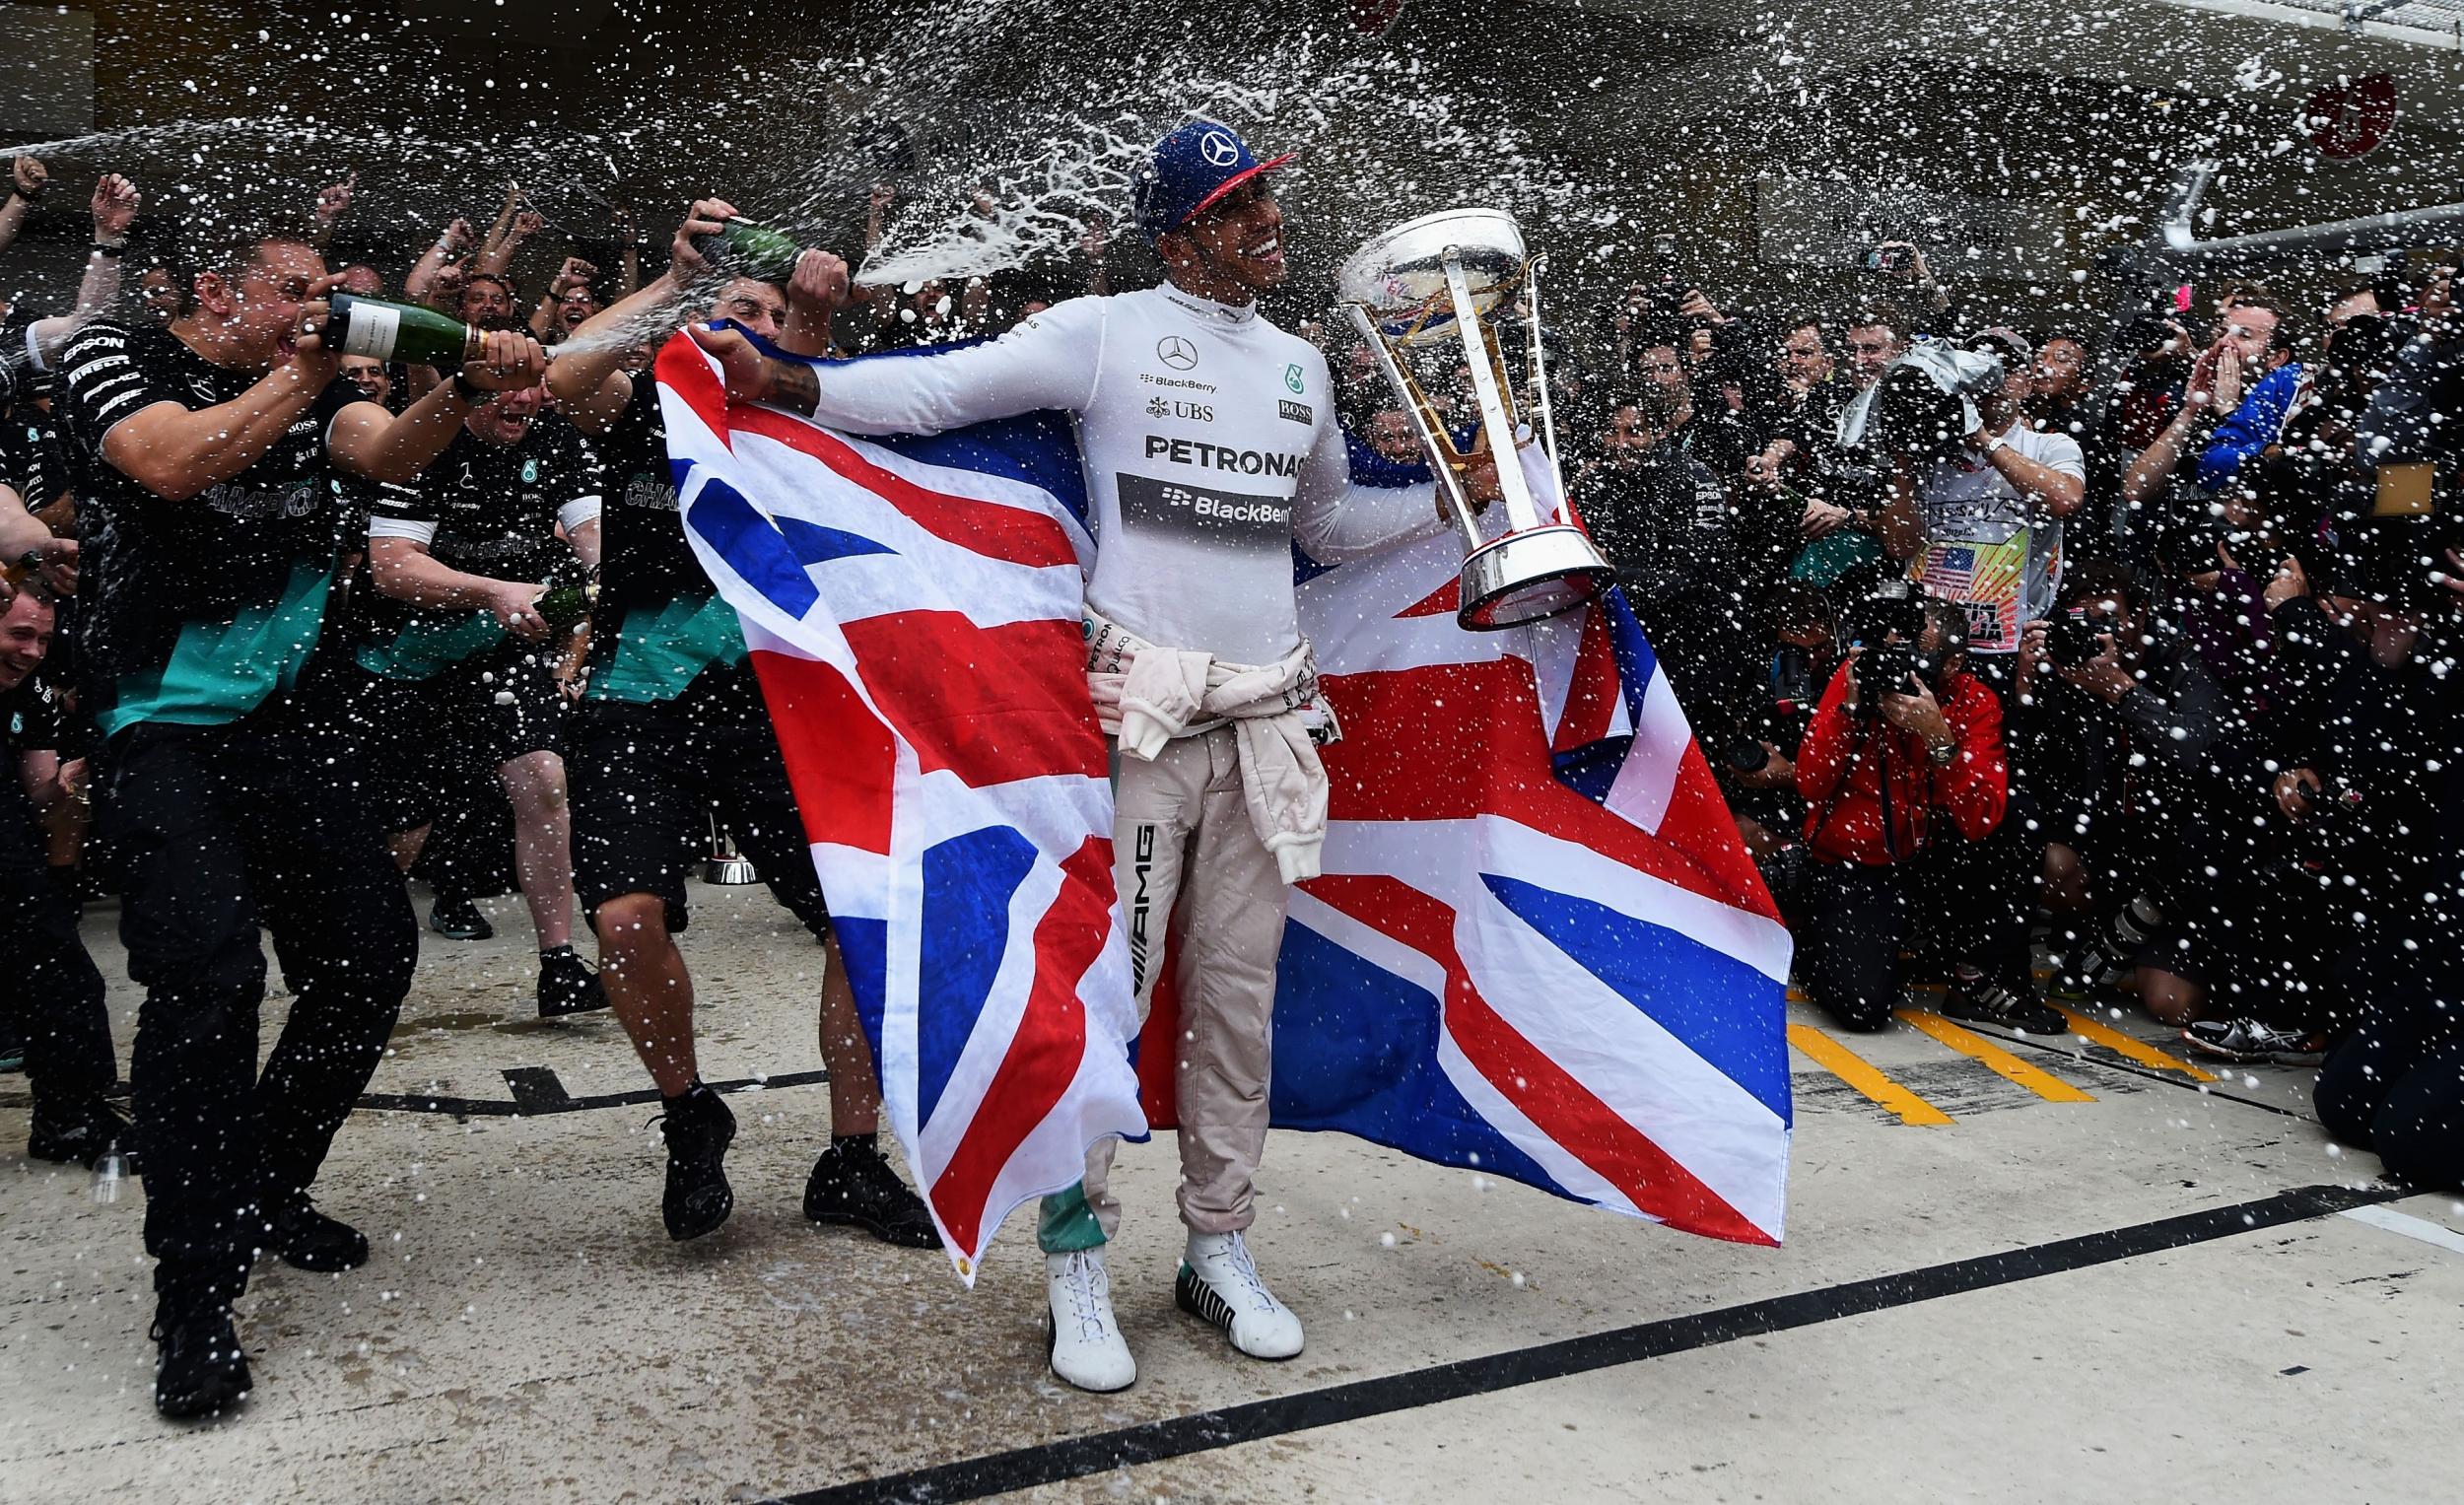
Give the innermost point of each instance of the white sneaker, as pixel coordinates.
(1088, 1349)
(1220, 1284)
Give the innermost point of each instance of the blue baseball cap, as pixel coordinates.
(1188, 170)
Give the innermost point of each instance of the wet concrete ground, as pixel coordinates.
(2171, 1290)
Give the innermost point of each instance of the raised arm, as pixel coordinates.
(587, 381)
(114, 206)
(26, 177)
(367, 441)
(453, 243)
(1048, 362)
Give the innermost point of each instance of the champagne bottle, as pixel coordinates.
(391, 331)
(749, 248)
(569, 595)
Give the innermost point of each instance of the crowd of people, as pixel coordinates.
(1995, 651)
(2146, 673)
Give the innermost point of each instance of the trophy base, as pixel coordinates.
(728, 873)
(1528, 575)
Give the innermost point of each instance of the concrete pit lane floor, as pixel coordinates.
(2015, 1271)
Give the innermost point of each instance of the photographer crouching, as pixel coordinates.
(1906, 780)
(2132, 809)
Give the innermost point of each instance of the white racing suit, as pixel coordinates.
(1210, 447)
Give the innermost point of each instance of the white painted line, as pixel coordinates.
(2408, 1225)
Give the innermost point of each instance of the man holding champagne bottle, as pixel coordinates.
(672, 731)
(224, 447)
(461, 673)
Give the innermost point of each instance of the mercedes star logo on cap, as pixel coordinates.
(1176, 351)
(1220, 148)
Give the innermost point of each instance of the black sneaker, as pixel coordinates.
(307, 1238)
(1982, 1001)
(567, 985)
(455, 918)
(2250, 1042)
(852, 1185)
(76, 1133)
(200, 1368)
(698, 1129)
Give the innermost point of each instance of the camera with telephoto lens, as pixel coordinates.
(1923, 406)
(2071, 639)
(1886, 606)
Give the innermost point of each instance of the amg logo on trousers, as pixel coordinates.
(1143, 866)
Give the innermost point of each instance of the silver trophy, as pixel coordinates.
(1445, 286)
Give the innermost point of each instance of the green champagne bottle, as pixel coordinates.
(570, 592)
(749, 248)
(391, 331)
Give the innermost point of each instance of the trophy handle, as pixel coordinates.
(1521, 511)
(1539, 367)
(1433, 440)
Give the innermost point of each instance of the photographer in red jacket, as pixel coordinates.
(1907, 781)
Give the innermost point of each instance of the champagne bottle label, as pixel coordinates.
(370, 331)
(391, 331)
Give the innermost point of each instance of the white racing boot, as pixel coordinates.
(1220, 1284)
(1088, 1349)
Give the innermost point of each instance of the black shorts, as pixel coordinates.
(645, 782)
(422, 739)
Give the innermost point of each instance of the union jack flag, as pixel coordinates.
(914, 610)
(1537, 949)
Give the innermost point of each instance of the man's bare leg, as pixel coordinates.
(645, 980)
(543, 858)
(653, 992)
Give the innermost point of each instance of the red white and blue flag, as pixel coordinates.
(914, 613)
(1537, 948)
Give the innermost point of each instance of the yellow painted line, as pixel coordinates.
(1968, 1042)
(2130, 1045)
(1858, 1073)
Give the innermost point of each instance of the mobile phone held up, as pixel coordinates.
(1886, 258)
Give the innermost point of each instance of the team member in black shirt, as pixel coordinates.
(210, 527)
(672, 729)
(463, 675)
(53, 1011)
(54, 995)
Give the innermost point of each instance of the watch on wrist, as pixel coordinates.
(1941, 753)
(112, 252)
(462, 389)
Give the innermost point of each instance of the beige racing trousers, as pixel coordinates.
(1196, 884)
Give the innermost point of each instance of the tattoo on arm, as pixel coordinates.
(793, 387)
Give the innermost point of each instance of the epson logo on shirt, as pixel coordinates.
(1195, 452)
(1297, 412)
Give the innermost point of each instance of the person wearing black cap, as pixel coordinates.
(1210, 445)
